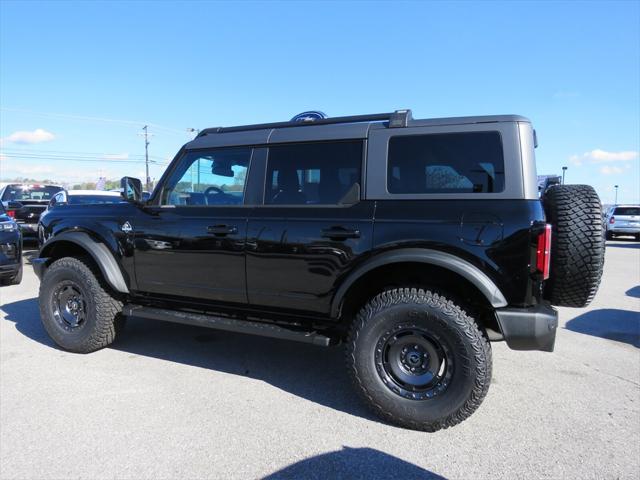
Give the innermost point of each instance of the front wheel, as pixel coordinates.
(77, 311)
(418, 360)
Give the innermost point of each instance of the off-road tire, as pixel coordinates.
(577, 244)
(471, 358)
(103, 311)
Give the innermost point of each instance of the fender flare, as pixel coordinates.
(424, 255)
(98, 251)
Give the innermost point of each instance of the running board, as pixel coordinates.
(224, 323)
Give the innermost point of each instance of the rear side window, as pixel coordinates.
(29, 192)
(627, 211)
(470, 162)
(312, 173)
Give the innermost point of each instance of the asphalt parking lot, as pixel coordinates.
(172, 401)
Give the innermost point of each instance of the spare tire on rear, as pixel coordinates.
(577, 244)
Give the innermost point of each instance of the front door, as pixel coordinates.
(311, 228)
(192, 244)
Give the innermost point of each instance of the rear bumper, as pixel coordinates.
(28, 229)
(9, 270)
(531, 328)
(624, 230)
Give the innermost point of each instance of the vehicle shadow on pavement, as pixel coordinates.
(26, 315)
(315, 373)
(633, 292)
(609, 323)
(354, 463)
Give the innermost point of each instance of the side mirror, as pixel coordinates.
(131, 189)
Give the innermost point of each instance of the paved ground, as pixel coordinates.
(169, 401)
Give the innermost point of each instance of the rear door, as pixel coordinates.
(312, 227)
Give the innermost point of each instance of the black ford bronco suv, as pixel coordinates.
(412, 242)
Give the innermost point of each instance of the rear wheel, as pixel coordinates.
(77, 311)
(418, 360)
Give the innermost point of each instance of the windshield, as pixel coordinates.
(29, 192)
(627, 211)
(93, 199)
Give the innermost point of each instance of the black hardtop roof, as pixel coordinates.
(397, 119)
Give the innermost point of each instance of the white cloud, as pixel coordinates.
(576, 160)
(598, 156)
(607, 170)
(601, 156)
(39, 135)
(116, 156)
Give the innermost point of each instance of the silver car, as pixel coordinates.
(623, 220)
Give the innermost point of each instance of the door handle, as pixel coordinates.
(222, 230)
(340, 233)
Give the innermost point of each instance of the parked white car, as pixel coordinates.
(623, 220)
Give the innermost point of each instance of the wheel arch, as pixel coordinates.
(71, 243)
(428, 257)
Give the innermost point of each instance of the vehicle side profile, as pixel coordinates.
(413, 243)
(10, 250)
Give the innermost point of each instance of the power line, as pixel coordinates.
(78, 159)
(61, 153)
(130, 123)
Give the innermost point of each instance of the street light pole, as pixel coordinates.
(616, 187)
(564, 169)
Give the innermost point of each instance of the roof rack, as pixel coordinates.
(399, 118)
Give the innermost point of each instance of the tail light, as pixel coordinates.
(612, 220)
(11, 213)
(543, 253)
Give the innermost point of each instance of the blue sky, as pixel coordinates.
(80, 79)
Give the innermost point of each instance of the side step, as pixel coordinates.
(223, 323)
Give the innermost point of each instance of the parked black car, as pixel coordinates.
(10, 250)
(412, 242)
(33, 200)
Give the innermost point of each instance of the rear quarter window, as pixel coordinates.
(469, 162)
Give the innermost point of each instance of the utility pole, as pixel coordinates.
(616, 187)
(146, 155)
(564, 169)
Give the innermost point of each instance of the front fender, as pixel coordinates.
(96, 249)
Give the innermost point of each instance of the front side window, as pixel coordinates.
(313, 173)
(214, 177)
(470, 162)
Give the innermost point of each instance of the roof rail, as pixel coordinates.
(399, 118)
